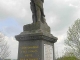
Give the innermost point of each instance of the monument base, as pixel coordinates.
(36, 42)
(35, 47)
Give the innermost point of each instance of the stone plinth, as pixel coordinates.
(36, 42)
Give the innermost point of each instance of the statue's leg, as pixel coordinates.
(42, 16)
(33, 17)
(38, 13)
(33, 9)
(43, 19)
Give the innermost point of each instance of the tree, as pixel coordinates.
(73, 39)
(67, 58)
(4, 53)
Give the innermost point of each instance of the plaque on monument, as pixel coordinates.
(33, 41)
(29, 50)
(48, 52)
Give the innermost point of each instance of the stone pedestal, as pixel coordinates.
(36, 42)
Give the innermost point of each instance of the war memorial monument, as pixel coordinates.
(36, 42)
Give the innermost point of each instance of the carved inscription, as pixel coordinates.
(48, 52)
(28, 52)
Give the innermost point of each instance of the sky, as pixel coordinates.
(60, 14)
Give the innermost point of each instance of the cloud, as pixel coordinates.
(59, 14)
(10, 27)
(13, 47)
(58, 9)
(73, 5)
(11, 31)
(15, 8)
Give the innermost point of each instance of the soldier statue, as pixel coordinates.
(37, 10)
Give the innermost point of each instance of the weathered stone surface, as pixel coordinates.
(34, 28)
(36, 31)
(37, 11)
(37, 26)
(33, 37)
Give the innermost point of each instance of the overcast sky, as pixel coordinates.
(60, 14)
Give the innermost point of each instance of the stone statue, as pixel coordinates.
(37, 11)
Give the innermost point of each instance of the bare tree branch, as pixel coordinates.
(4, 48)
